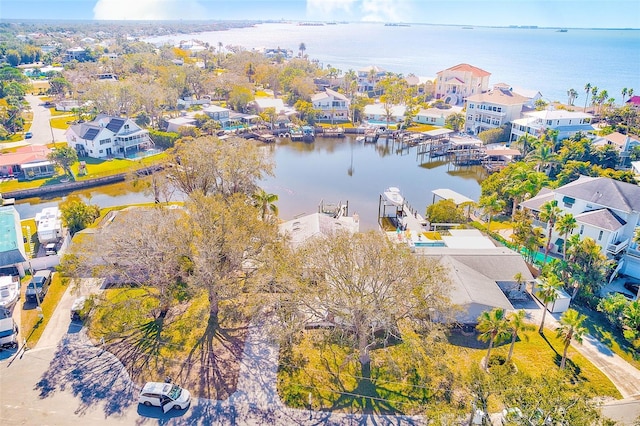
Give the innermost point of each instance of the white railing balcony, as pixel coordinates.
(618, 247)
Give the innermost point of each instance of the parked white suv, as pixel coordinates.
(165, 395)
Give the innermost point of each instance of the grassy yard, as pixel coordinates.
(62, 121)
(184, 345)
(31, 325)
(410, 377)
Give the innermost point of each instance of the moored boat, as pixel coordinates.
(392, 195)
(9, 291)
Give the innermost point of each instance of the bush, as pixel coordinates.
(162, 139)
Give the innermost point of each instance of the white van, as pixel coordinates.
(8, 330)
(165, 395)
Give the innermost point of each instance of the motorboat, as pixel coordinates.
(392, 194)
(9, 291)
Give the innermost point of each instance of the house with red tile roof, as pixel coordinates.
(634, 101)
(455, 84)
(27, 162)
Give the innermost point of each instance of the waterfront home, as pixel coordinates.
(303, 228)
(107, 137)
(606, 210)
(454, 84)
(218, 114)
(491, 110)
(174, 124)
(435, 116)
(567, 123)
(531, 95)
(622, 143)
(12, 250)
(481, 279)
(423, 85)
(27, 162)
(331, 105)
(369, 77)
(377, 114)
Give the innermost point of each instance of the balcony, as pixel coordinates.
(615, 249)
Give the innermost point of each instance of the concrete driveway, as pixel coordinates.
(41, 128)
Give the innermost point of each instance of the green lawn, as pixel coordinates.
(61, 122)
(406, 377)
(184, 345)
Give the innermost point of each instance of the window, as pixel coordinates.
(600, 235)
(568, 202)
(126, 127)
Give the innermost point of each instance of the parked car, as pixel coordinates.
(165, 395)
(28, 135)
(632, 287)
(38, 286)
(8, 330)
(78, 309)
(50, 249)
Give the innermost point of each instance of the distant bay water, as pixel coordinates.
(542, 59)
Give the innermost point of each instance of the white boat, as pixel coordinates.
(9, 291)
(392, 194)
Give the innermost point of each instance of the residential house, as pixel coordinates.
(567, 123)
(623, 144)
(455, 84)
(303, 228)
(27, 162)
(332, 105)
(174, 124)
(368, 78)
(481, 279)
(79, 54)
(491, 110)
(634, 101)
(107, 137)
(377, 114)
(606, 210)
(435, 116)
(283, 112)
(532, 95)
(12, 248)
(424, 85)
(218, 113)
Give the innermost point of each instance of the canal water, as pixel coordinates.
(330, 169)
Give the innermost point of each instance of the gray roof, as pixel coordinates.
(115, 124)
(535, 203)
(603, 218)
(604, 191)
(474, 292)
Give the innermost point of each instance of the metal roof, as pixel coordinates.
(448, 194)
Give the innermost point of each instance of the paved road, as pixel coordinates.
(41, 128)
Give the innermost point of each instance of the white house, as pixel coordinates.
(623, 143)
(454, 84)
(492, 109)
(435, 116)
(218, 113)
(368, 78)
(567, 123)
(606, 210)
(377, 114)
(332, 105)
(107, 137)
(532, 95)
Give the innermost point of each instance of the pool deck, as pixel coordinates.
(413, 224)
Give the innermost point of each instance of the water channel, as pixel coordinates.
(329, 169)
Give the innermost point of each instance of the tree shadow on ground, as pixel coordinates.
(365, 397)
(213, 363)
(92, 374)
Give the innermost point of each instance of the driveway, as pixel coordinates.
(41, 128)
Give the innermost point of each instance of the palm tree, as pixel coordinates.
(516, 325)
(594, 93)
(572, 94)
(571, 328)
(548, 292)
(491, 205)
(265, 202)
(624, 93)
(550, 213)
(544, 157)
(587, 89)
(565, 225)
(302, 49)
(494, 327)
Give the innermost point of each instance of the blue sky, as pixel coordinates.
(544, 13)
